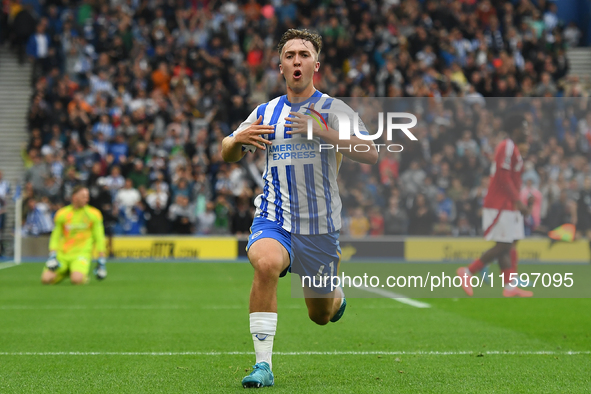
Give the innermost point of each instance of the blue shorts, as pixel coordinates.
(310, 255)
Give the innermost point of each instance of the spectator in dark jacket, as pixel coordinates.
(241, 218)
(396, 219)
(21, 28)
(156, 215)
(422, 218)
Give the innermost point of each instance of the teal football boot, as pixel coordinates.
(261, 376)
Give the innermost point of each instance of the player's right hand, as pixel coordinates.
(252, 135)
(52, 264)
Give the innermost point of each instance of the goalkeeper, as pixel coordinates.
(78, 231)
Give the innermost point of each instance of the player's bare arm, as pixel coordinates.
(252, 135)
(299, 125)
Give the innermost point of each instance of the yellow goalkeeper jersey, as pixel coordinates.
(78, 231)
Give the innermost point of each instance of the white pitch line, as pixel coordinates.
(8, 265)
(96, 307)
(312, 353)
(163, 307)
(139, 307)
(396, 297)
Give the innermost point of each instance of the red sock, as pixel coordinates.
(513, 254)
(476, 266)
(507, 275)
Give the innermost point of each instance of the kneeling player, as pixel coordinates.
(78, 230)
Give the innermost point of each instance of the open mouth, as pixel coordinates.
(297, 74)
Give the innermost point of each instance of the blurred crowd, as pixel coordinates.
(436, 185)
(133, 99)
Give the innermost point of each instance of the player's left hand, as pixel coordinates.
(52, 263)
(101, 268)
(299, 123)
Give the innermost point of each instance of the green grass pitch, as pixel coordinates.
(120, 331)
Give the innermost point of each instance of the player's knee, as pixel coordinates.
(77, 278)
(47, 278)
(319, 317)
(268, 266)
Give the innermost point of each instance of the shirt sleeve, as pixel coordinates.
(56, 234)
(98, 232)
(504, 157)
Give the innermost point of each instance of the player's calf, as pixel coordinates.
(320, 316)
(268, 258)
(322, 310)
(263, 295)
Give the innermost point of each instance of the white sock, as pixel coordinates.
(262, 327)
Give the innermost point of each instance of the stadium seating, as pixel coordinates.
(129, 91)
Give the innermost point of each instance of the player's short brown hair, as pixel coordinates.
(77, 188)
(303, 34)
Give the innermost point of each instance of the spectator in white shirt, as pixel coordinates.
(551, 17)
(127, 197)
(572, 35)
(38, 47)
(159, 197)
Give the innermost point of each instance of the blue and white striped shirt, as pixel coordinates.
(39, 220)
(300, 192)
(106, 128)
(4, 189)
(57, 169)
(98, 85)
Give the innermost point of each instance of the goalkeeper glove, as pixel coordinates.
(52, 264)
(101, 268)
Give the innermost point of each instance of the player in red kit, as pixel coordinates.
(502, 212)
